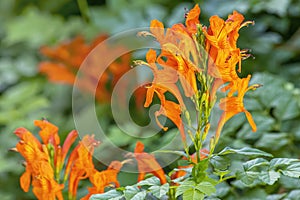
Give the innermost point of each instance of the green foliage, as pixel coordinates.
(243, 168)
(149, 188)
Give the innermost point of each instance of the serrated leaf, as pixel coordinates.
(111, 194)
(149, 182)
(186, 185)
(159, 191)
(247, 151)
(206, 188)
(292, 170)
(255, 163)
(131, 191)
(269, 177)
(249, 178)
(220, 162)
(287, 166)
(139, 196)
(192, 194)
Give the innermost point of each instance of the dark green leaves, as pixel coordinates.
(246, 151)
(149, 188)
(192, 191)
(260, 171)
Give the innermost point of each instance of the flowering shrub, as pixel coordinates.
(203, 62)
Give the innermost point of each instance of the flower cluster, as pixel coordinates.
(202, 60)
(49, 165)
(67, 58)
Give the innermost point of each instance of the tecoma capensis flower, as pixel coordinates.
(80, 164)
(147, 164)
(102, 179)
(233, 105)
(39, 171)
(205, 60)
(66, 59)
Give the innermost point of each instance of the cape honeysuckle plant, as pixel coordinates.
(203, 61)
(49, 166)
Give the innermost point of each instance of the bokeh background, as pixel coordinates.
(25, 94)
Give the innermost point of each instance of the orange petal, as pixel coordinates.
(139, 147)
(57, 72)
(48, 132)
(251, 121)
(25, 180)
(192, 19)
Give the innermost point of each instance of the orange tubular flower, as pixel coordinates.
(48, 132)
(147, 164)
(221, 40)
(66, 59)
(80, 164)
(164, 80)
(234, 104)
(38, 168)
(105, 178)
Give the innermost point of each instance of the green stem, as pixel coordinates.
(84, 9)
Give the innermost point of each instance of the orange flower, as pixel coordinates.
(147, 164)
(44, 185)
(67, 58)
(105, 178)
(164, 80)
(61, 153)
(221, 38)
(48, 132)
(80, 164)
(179, 49)
(38, 169)
(192, 19)
(233, 105)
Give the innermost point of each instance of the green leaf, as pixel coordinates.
(159, 191)
(220, 162)
(258, 162)
(186, 185)
(149, 182)
(111, 194)
(287, 166)
(192, 194)
(249, 178)
(131, 191)
(273, 141)
(247, 151)
(292, 170)
(276, 196)
(255, 194)
(139, 196)
(293, 195)
(269, 177)
(206, 188)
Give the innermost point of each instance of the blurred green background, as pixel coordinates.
(25, 95)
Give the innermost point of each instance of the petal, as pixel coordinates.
(25, 180)
(57, 72)
(157, 29)
(151, 56)
(251, 121)
(48, 132)
(139, 147)
(192, 19)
